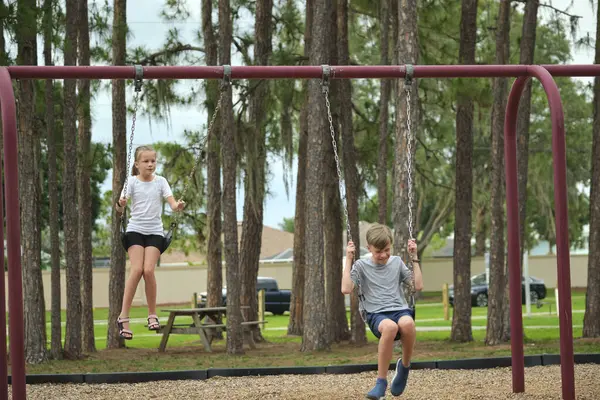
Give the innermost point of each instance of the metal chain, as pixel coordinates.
(225, 84)
(203, 141)
(409, 167)
(325, 88)
(136, 102)
(409, 142)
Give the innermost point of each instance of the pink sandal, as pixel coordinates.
(124, 333)
(155, 325)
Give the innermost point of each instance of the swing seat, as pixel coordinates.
(166, 242)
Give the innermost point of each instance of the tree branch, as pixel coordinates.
(360, 114)
(550, 6)
(179, 48)
(362, 12)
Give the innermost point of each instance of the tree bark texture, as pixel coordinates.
(34, 308)
(213, 170)
(254, 188)
(461, 320)
(53, 204)
(498, 281)
(296, 322)
(408, 52)
(527, 56)
(84, 186)
(315, 335)
(357, 325)
(229, 154)
(334, 221)
(591, 319)
(71, 225)
(481, 230)
(119, 123)
(385, 91)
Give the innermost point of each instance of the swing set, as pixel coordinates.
(522, 73)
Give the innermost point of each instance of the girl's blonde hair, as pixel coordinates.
(138, 151)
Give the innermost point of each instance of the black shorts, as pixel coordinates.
(135, 238)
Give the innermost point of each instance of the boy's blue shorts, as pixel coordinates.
(375, 319)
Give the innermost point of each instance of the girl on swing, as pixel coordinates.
(145, 234)
(381, 296)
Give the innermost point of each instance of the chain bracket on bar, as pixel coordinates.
(325, 79)
(139, 76)
(226, 77)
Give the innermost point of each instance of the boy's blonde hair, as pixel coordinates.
(379, 236)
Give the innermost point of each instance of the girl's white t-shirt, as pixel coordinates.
(146, 204)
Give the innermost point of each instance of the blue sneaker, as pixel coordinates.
(378, 392)
(400, 378)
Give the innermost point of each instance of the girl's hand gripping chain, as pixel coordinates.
(120, 206)
(179, 205)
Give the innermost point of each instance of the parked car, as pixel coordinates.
(479, 290)
(277, 301)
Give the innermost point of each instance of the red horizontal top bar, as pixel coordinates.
(293, 72)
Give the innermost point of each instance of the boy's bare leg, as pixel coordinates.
(388, 330)
(406, 325)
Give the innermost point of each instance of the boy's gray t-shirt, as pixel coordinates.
(380, 285)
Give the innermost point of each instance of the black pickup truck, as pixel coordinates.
(276, 301)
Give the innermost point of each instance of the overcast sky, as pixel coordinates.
(148, 30)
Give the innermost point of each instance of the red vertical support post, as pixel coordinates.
(514, 248)
(3, 358)
(13, 233)
(559, 157)
(562, 232)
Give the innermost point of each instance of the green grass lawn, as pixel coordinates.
(186, 352)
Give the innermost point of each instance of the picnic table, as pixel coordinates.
(205, 323)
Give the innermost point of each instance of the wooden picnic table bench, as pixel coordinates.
(203, 325)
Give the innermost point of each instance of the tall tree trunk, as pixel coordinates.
(53, 205)
(480, 231)
(296, 322)
(332, 212)
(116, 285)
(213, 169)
(494, 332)
(408, 53)
(228, 151)
(461, 320)
(591, 319)
(256, 163)
(526, 57)
(84, 188)
(315, 336)
(73, 328)
(357, 325)
(34, 308)
(386, 87)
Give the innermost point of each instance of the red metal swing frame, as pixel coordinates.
(521, 72)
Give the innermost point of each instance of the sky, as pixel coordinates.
(148, 30)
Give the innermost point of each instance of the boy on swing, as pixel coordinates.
(381, 297)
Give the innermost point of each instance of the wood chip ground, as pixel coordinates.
(540, 383)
